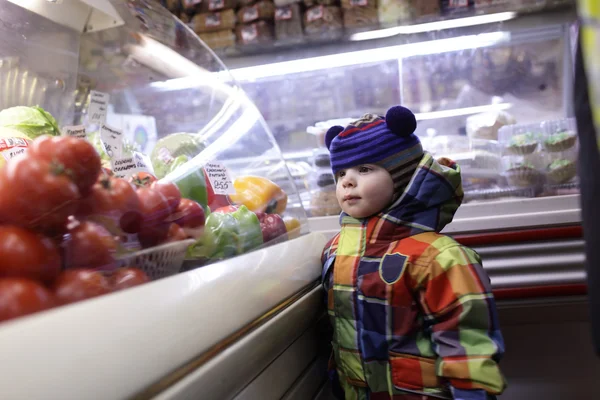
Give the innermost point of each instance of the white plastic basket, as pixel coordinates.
(160, 261)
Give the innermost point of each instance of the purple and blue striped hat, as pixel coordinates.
(387, 141)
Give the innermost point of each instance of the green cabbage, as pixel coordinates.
(31, 121)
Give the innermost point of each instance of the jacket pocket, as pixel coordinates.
(413, 372)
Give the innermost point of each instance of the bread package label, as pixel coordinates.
(283, 13)
(214, 5)
(250, 14)
(314, 14)
(249, 33)
(213, 20)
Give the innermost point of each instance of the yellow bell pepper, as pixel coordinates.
(259, 194)
(292, 225)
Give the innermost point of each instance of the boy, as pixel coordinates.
(412, 310)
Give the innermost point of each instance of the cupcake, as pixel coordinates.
(561, 171)
(523, 144)
(560, 141)
(522, 175)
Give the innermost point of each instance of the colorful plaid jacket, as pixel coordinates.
(412, 309)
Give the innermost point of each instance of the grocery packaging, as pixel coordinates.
(323, 22)
(219, 40)
(359, 16)
(211, 22)
(487, 124)
(323, 200)
(191, 6)
(288, 23)
(456, 6)
(283, 3)
(560, 135)
(217, 5)
(260, 32)
(263, 10)
(349, 4)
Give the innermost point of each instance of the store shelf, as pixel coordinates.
(132, 339)
(460, 22)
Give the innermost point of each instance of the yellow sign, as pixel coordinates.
(589, 14)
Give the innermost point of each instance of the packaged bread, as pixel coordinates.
(360, 17)
(282, 3)
(216, 5)
(310, 3)
(423, 8)
(260, 32)
(288, 22)
(219, 40)
(190, 6)
(211, 22)
(173, 5)
(349, 4)
(263, 10)
(323, 22)
(456, 6)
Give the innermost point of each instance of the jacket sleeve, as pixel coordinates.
(461, 316)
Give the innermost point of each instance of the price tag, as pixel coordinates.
(77, 131)
(216, 4)
(212, 19)
(249, 33)
(314, 14)
(219, 178)
(250, 14)
(12, 147)
(283, 13)
(112, 139)
(98, 107)
(124, 167)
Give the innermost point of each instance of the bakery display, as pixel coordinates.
(561, 171)
(523, 144)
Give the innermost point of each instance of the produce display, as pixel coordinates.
(86, 216)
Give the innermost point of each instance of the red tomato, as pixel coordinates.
(77, 156)
(154, 206)
(153, 235)
(170, 191)
(25, 254)
(114, 203)
(80, 284)
(36, 193)
(176, 233)
(189, 214)
(127, 277)
(142, 179)
(89, 245)
(20, 297)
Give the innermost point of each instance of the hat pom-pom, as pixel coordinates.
(401, 121)
(331, 134)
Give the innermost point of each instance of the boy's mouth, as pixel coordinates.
(350, 198)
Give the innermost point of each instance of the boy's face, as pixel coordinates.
(364, 190)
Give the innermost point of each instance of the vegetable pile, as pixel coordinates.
(68, 224)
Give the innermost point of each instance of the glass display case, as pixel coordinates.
(173, 164)
(464, 82)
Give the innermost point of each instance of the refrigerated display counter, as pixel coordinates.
(247, 321)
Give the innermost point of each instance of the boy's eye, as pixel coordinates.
(341, 174)
(363, 170)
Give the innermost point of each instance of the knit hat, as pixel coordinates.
(388, 142)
